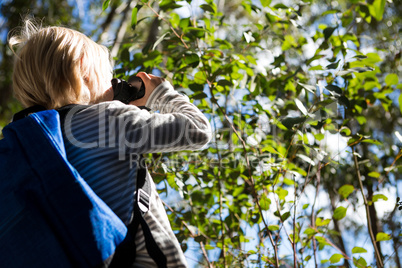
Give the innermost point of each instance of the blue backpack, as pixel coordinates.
(49, 216)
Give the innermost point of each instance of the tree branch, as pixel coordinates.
(369, 225)
(192, 235)
(170, 25)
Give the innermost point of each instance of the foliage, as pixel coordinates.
(293, 96)
(304, 98)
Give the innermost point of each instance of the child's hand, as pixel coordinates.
(151, 82)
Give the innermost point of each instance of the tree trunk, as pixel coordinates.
(121, 30)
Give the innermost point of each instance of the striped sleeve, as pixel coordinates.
(178, 125)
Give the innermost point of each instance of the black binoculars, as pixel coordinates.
(131, 90)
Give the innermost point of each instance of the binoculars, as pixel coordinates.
(127, 91)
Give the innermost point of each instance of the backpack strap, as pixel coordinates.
(140, 208)
(24, 113)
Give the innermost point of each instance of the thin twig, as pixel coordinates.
(318, 174)
(369, 226)
(335, 247)
(192, 235)
(220, 202)
(399, 155)
(170, 25)
(280, 219)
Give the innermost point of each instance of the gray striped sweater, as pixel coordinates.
(104, 141)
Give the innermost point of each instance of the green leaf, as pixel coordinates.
(265, 202)
(310, 88)
(333, 65)
(361, 119)
(134, 16)
(174, 20)
(360, 57)
(288, 181)
(168, 4)
(382, 237)
(360, 263)
(306, 158)
(301, 107)
(334, 90)
(105, 5)
(332, 11)
(273, 227)
(192, 59)
(280, 125)
(200, 78)
(209, 247)
(372, 58)
(346, 190)
(289, 42)
(339, 213)
(377, 9)
(400, 102)
(125, 55)
(210, 8)
(160, 39)
(376, 142)
(285, 216)
(289, 122)
(319, 136)
(356, 250)
(282, 193)
(265, 3)
(310, 231)
(336, 258)
(316, 68)
(321, 222)
(377, 197)
(280, 6)
(355, 69)
(199, 96)
(391, 79)
(345, 131)
(270, 149)
(374, 174)
(328, 32)
(344, 101)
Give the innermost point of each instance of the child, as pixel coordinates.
(56, 67)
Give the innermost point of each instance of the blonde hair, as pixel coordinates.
(56, 66)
